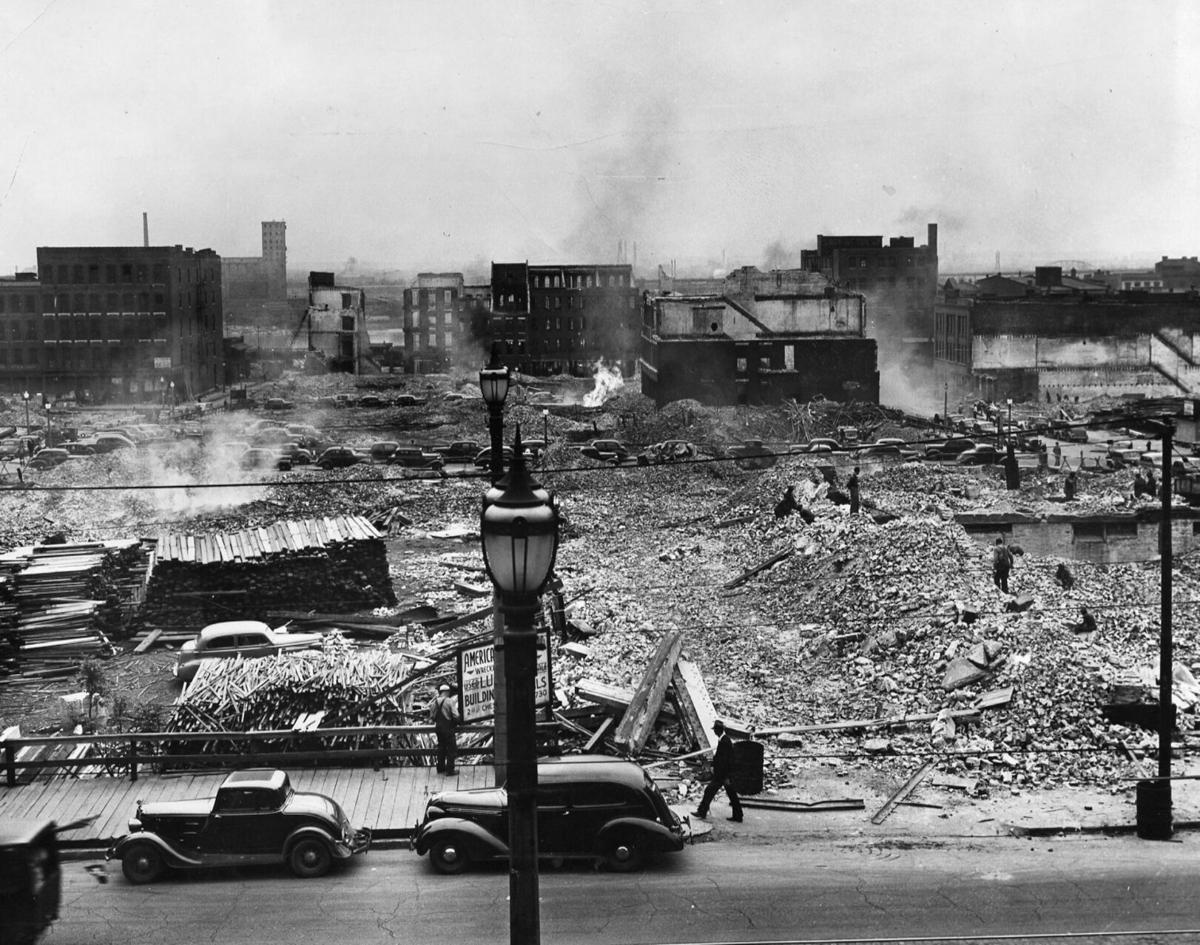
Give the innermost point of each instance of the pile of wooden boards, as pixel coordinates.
(328, 564)
(349, 686)
(63, 602)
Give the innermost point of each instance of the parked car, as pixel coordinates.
(278, 403)
(264, 457)
(371, 400)
(408, 400)
(590, 807)
(605, 451)
(534, 448)
(80, 448)
(233, 638)
(338, 457)
(109, 442)
(256, 817)
(822, 444)
(1122, 453)
(1077, 434)
(382, 450)
(459, 451)
(49, 457)
(983, 455)
(907, 451)
(483, 459)
(878, 450)
(751, 454)
(298, 455)
(414, 457)
(950, 449)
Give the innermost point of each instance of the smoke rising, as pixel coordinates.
(608, 381)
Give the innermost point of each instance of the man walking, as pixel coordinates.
(722, 772)
(444, 715)
(1002, 561)
(855, 497)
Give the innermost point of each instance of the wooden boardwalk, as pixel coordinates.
(390, 801)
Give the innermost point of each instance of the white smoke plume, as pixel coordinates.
(608, 381)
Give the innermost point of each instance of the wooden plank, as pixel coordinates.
(884, 722)
(762, 566)
(148, 640)
(902, 792)
(695, 705)
(598, 734)
(638, 721)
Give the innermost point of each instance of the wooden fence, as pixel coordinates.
(129, 750)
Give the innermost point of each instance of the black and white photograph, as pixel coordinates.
(600, 472)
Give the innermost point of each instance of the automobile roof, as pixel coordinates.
(590, 768)
(258, 777)
(232, 626)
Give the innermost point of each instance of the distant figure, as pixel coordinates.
(1064, 576)
(1139, 485)
(1070, 486)
(20, 476)
(1087, 623)
(787, 505)
(444, 715)
(855, 496)
(722, 774)
(1002, 562)
(1151, 485)
(1012, 470)
(1057, 454)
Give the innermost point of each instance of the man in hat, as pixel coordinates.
(444, 715)
(722, 773)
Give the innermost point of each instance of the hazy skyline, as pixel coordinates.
(427, 136)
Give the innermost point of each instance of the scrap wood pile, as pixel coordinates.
(62, 602)
(336, 686)
(325, 564)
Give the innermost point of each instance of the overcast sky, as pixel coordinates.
(445, 135)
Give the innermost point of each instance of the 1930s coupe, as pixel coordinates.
(256, 818)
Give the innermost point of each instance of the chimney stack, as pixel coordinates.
(145, 228)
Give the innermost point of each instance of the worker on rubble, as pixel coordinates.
(1139, 485)
(1012, 470)
(722, 773)
(1151, 485)
(1070, 486)
(443, 713)
(787, 505)
(1002, 562)
(855, 496)
(1087, 623)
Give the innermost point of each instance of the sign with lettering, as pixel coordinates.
(477, 681)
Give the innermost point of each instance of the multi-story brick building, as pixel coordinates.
(1179, 275)
(254, 288)
(335, 325)
(899, 280)
(436, 322)
(118, 323)
(563, 319)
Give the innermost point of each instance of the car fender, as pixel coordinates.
(661, 837)
(172, 856)
(336, 847)
(477, 837)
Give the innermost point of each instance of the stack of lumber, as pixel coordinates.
(350, 686)
(64, 602)
(329, 564)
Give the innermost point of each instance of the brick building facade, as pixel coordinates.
(114, 323)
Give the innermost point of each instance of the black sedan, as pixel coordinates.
(339, 457)
(590, 807)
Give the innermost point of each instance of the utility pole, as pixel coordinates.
(1166, 657)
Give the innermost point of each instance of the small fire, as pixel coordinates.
(608, 382)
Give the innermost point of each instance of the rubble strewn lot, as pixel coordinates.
(854, 621)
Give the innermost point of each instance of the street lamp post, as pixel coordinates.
(545, 427)
(946, 403)
(1008, 430)
(493, 384)
(519, 528)
(171, 388)
(27, 430)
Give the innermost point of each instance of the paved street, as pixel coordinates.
(724, 891)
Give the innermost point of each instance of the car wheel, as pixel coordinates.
(142, 863)
(449, 856)
(310, 858)
(624, 854)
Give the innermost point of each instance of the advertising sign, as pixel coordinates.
(477, 683)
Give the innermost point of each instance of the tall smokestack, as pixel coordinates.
(933, 238)
(145, 228)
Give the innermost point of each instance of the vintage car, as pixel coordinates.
(591, 807)
(751, 454)
(49, 457)
(414, 457)
(256, 818)
(606, 451)
(234, 638)
(338, 457)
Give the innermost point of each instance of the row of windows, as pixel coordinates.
(888, 261)
(863, 285)
(114, 273)
(579, 281)
(68, 357)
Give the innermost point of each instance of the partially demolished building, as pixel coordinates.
(768, 337)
